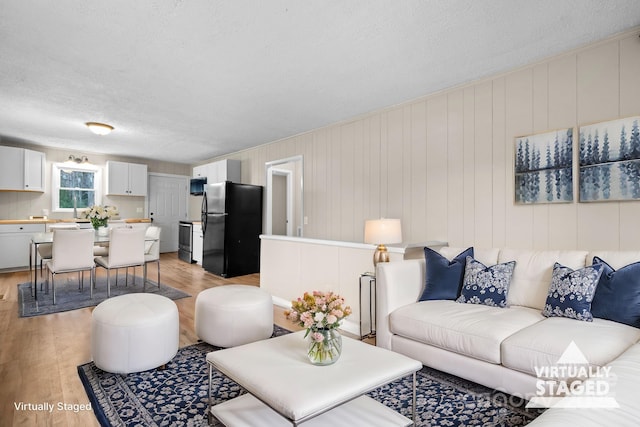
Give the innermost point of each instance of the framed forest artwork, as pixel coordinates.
(543, 167)
(610, 161)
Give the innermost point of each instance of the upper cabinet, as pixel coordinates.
(220, 171)
(21, 169)
(34, 162)
(200, 171)
(126, 179)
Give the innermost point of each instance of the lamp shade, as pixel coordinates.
(382, 231)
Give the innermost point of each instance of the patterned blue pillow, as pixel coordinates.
(486, 285)
(571, 292)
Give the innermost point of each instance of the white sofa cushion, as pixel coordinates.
(616, 259)
(532, 275)
(542, 344)
(469, 329)
(488, 257)
(627, 370)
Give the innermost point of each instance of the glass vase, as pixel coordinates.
(325, 346)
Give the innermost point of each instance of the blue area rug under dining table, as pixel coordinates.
(69, 296)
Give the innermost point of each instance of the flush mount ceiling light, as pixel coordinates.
(99, 128)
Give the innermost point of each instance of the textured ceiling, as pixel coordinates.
(185, 81)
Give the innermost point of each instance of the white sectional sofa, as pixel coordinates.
(502, 347)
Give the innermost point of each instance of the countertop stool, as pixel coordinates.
(232, 315)
(134, 333)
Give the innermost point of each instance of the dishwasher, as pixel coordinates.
(185, 241)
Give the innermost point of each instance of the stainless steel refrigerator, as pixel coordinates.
(231, 226)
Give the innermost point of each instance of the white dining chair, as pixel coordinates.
(44, 249)
(152, 251)
(102, 249)
(72, 251)
(126, 249)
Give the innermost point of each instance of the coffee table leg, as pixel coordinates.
(209, 416)
(414, 399)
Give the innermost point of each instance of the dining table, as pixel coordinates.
(38, 239)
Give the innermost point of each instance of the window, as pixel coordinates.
(75, 186)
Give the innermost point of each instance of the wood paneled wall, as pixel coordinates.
(444, 163)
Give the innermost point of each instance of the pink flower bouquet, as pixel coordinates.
(318, 310)
(320, 313)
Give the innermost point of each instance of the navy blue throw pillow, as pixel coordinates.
(617, 296)
(443, 277)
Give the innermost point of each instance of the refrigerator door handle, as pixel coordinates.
(203, 214)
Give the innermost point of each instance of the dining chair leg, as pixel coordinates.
(53, 287)
(158, 264)
(144, 277)
(41, 274)
(126, 282)
(80, 279)
(109, 282)
(92, 278)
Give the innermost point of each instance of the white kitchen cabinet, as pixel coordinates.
(34, 162)
(226, 170)
(21, 169)
(220, 171)
(126, 179)
(196, 245)
(15, 240)
(200, 171)
(11, 168)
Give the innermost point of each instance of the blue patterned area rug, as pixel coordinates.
(69, 297)
(177, 396)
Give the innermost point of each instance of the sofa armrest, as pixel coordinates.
(397, 284)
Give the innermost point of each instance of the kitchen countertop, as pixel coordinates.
(53, 221)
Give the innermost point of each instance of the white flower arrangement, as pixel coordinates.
(99, 215)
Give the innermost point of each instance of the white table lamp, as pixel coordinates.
(380, 232)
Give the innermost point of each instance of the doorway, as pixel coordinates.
(284, 197)
(167, 206)
(282, 203)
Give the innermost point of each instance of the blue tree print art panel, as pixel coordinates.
(610, 161)
(543, 168)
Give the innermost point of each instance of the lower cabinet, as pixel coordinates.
(15, 240)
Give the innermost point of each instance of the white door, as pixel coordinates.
(168, 196)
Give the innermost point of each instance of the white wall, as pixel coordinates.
(444, 163)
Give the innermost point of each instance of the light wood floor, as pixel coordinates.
(39, 355)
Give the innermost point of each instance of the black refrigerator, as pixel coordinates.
(231, 226)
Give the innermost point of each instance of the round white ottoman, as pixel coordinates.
(134, 333)
(232, 315)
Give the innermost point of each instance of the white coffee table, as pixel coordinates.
(286, 389)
